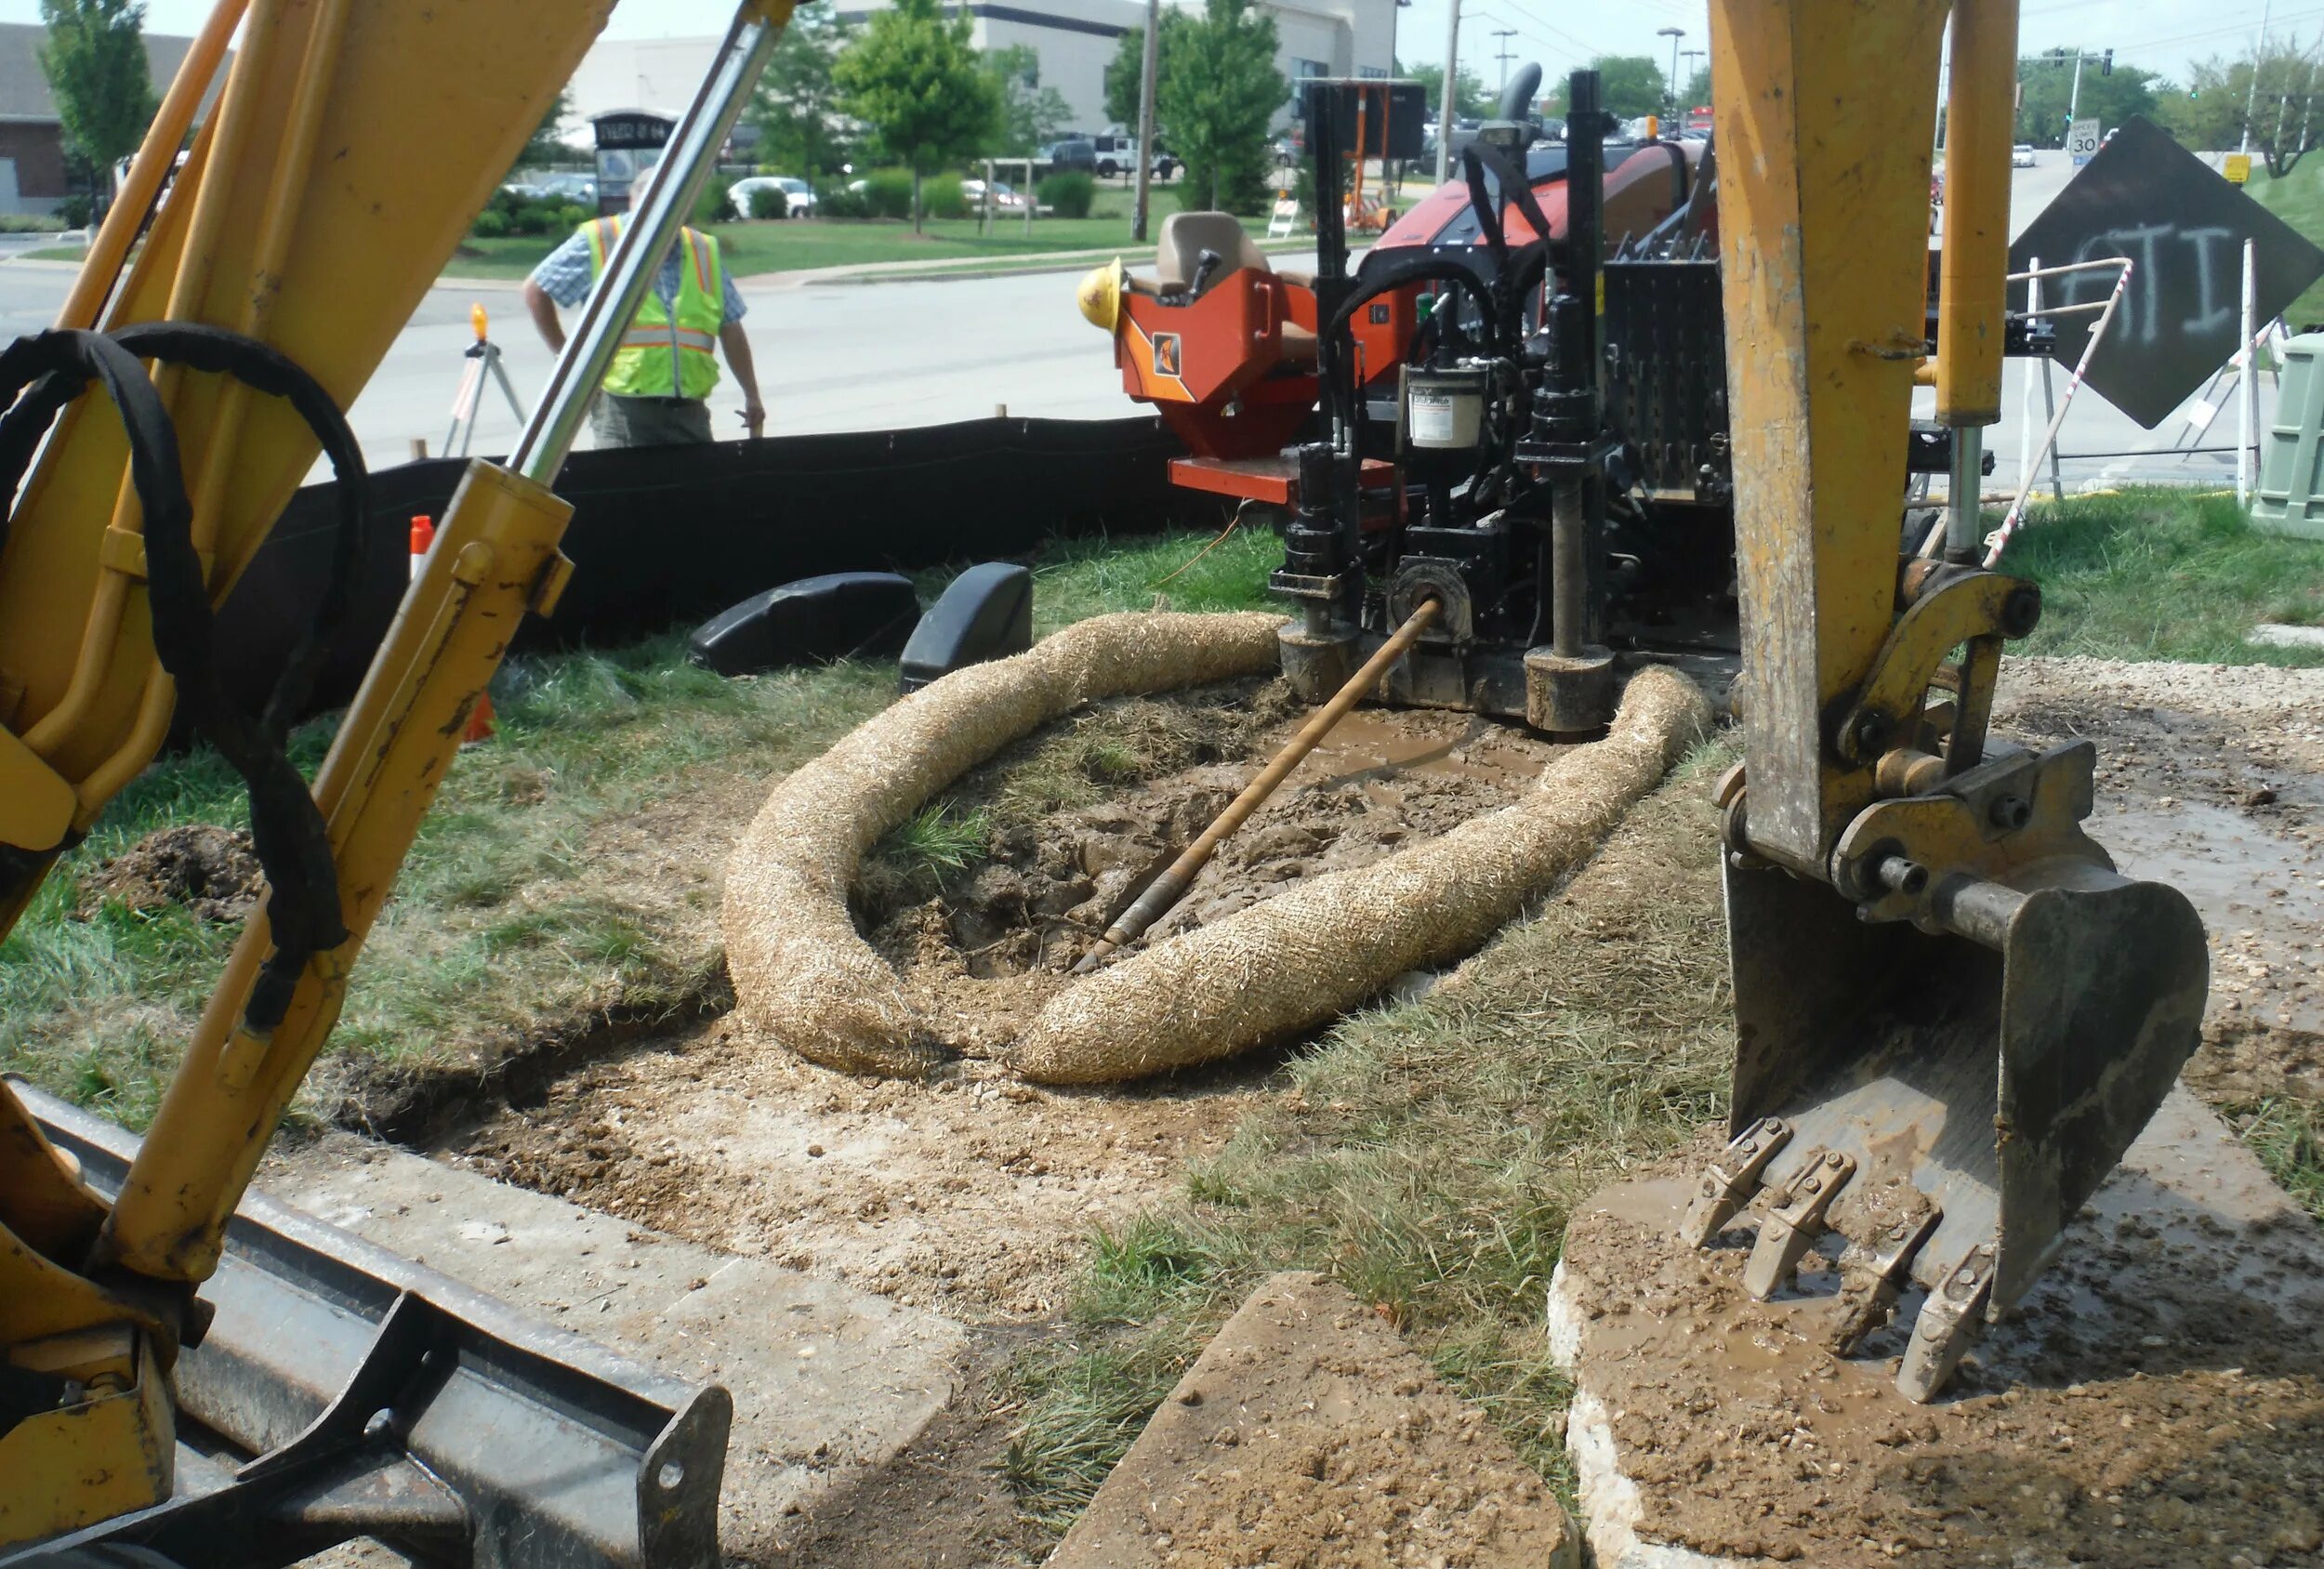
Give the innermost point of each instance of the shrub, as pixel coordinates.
(76, 211)
(940, 197)
(770, 201)
(889, 193)
(1070, 192)
(716, 204)
(833, 199)
(31, 223)
(572, 216)
(491, 224)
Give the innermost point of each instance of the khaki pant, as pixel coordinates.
(649, 422)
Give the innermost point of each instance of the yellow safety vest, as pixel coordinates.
(659, 357)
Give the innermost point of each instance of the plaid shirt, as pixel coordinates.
(564, 275)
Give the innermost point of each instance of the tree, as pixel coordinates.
(912, 76)
(2046, 88)
(547, 148)
(1030, 114)
(2209, 114)
(1218, 99)
(1471, 101)
(1124, 71)
(1698, 89)
(1628, 85)
(796, 105)
(96, 66)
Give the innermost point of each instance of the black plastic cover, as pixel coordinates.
(815, 620)
(985, 614)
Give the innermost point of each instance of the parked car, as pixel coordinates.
(799, 197)
(1078, 152)
(1116, 154)
(581, 189)
(2021, 156)
(1006, 199)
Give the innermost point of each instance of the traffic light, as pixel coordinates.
(2107, 69)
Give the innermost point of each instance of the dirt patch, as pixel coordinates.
(996, 943)
(944, 1503)
(2212, 778)
(209, 871)
(1309, 1436)
(971, 1194)
(2158, 1401)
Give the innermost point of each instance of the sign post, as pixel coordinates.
(2081, 140)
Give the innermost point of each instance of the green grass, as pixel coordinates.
(521, 915)
(2161, 573)
(2298, 199)
(1426, 1157)
(2287, 1133)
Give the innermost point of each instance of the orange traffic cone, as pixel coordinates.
(480, 726)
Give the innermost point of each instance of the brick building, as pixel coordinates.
(33, 177)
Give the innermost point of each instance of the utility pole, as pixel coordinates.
(1671, 87)
(1145, 119)
(1450, 91)
(1502, 52)
(2252, 98)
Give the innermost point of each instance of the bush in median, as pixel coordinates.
(769, 200)
(941, 197)
(1070, 193)
(889, 193)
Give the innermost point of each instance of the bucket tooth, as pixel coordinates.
(1730, 1180)
(1790, 1228)
(1874, 1277)
(1950, 1322)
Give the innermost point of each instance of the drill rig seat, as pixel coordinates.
(1185, 236)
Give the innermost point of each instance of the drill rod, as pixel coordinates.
(1168, 889)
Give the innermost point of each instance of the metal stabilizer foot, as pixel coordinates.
(1949, 1324)
(1728, 1185)
(1792, 1226)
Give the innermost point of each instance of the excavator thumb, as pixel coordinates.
(1946, 1095)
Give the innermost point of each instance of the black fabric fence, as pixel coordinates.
(667, 535)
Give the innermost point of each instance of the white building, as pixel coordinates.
(1073, 39)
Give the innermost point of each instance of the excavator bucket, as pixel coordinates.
(1945, 1102)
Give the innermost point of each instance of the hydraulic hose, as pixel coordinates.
(39, 375)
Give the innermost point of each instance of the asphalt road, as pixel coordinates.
(871, 356)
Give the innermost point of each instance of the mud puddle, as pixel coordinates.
(975, 1195)
(2211, 778)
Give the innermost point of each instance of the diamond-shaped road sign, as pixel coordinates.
(2145, 197)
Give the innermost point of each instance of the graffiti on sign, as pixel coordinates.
(2145, 197)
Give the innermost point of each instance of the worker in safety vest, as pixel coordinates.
(657, 388)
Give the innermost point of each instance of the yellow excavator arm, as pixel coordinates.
(1953, 1015)
(350, 146)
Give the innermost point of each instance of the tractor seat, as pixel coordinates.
(1186, 236)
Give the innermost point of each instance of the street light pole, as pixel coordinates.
(1146, 120)
(2252, 98)
(1449, 92)
(1671, 89)
(1690, 57)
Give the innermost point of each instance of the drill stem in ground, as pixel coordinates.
(1167, 889)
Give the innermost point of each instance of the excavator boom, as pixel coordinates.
(1953, 1015)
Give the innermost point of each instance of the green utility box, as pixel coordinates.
(2290, 495)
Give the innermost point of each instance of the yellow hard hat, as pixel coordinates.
(1100, 295)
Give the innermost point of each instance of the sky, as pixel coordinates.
(2161, 35)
